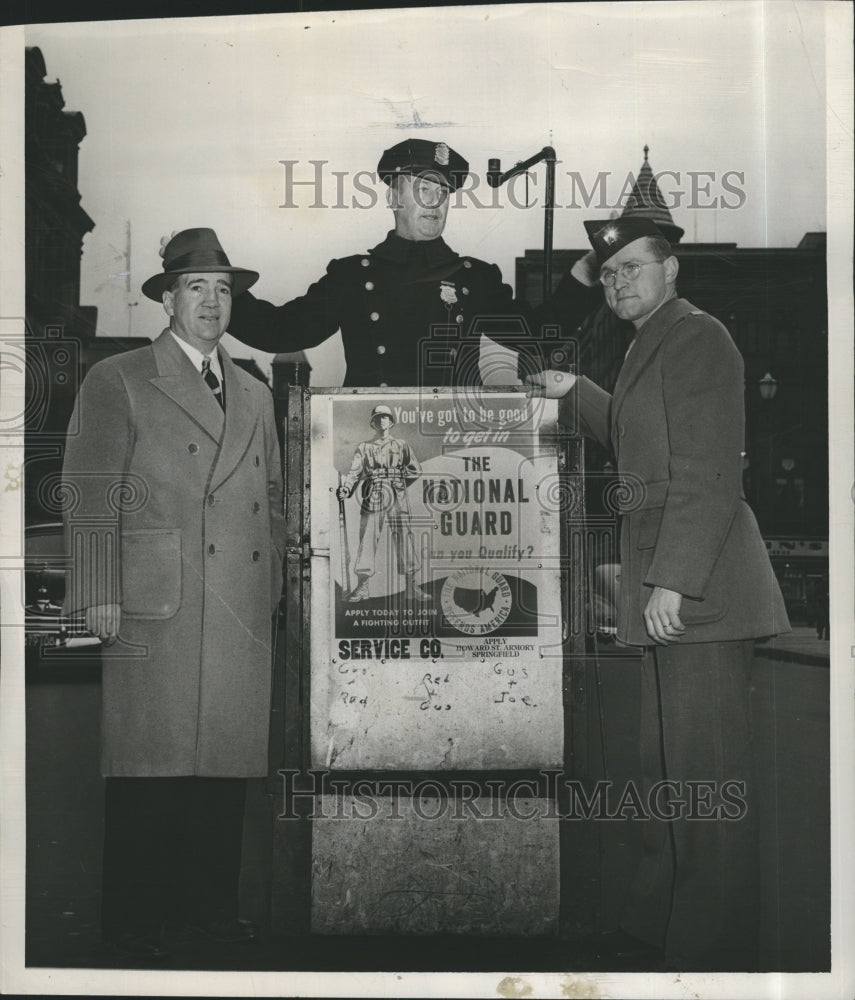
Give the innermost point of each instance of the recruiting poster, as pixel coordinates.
(436, 622)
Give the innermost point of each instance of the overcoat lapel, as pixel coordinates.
(645, 347)
(178, 379)
(241, 418)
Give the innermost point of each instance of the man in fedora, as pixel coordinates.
(386, 467)
(407, 293)
(175, 523)
(696, 590)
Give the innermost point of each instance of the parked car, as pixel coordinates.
(48, 633)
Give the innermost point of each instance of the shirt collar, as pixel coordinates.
(197, 357)
(432, 253)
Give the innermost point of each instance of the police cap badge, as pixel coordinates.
(418, 156)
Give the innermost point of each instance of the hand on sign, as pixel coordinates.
(662, 616)
(551, 384)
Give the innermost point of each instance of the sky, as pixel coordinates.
(188, 121)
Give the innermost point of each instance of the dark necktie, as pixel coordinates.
(213, 382)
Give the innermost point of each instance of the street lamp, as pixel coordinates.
(768, 386)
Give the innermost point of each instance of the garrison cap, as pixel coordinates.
(420, 157)
(607, 239)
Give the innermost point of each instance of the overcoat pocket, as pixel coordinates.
(693, 611)
(151, 573)
(647, 523)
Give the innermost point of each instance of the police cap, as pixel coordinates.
(420, 157)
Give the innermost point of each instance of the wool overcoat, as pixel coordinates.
(676, 424)
(175, 512)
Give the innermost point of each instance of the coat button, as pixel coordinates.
(365, 262)
(374, 317)
(381, 348)
(465, 291)
(211, 500)
(192, 448)
(256, 556)
(212, 549)
(256, 507)
(369, 286)
(458, 318)
(384, 385)
(467, 263)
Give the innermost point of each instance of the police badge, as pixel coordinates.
(448, 293)
(441, 154)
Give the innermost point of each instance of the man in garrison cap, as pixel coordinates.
(175, 523)
(696, 590)
(389, 301)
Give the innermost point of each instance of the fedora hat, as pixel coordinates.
(195, 251)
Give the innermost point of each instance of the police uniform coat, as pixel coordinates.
(410, 313)
(198, 535)
(676, 424)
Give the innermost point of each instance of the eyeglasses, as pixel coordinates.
(629, 272)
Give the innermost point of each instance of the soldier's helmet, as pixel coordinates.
(380, 411)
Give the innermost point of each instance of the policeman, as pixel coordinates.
(406, 307)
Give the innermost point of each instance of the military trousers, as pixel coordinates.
(696, 890)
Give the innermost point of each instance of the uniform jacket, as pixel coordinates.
(386, 466)
(190, 502)
(676, 425)
(410, 313)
